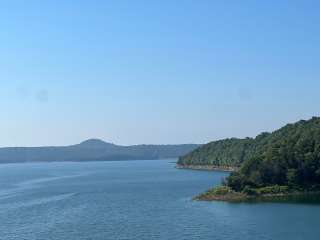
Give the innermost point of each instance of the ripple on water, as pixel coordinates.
(138, 200)
(38, 201)
(21, 187)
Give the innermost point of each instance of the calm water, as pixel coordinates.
(135, 200)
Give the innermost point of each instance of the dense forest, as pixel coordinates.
(225, 153)
(288, 158)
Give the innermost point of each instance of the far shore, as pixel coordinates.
(208, 168)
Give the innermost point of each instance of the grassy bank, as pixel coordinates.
(225, 193)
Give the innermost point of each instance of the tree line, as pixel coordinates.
(288, 157)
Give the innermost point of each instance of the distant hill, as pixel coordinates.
(93, 150)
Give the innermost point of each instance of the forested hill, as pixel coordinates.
(292, 143)
(93, 150)
(223, 153)
(288, 157)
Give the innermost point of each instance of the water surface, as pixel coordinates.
(139, 200)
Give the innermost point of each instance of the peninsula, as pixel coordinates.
(284, 162)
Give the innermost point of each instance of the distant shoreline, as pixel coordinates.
(88, 161)
(207, 168)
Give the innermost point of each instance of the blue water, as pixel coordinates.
(136, 200)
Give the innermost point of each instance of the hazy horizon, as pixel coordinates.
(119, 144)
(147, 72)
(98, 139)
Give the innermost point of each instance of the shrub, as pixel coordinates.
(220, 190)
(249, 191)
(276, 189)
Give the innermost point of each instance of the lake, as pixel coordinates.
(139, 200)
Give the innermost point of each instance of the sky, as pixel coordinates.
(156, 72)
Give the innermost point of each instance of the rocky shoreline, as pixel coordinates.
(208, 168)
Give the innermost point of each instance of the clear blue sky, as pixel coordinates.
(164, 71)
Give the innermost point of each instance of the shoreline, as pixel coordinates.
(207, 168)
(87, 161)
(238, 197)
